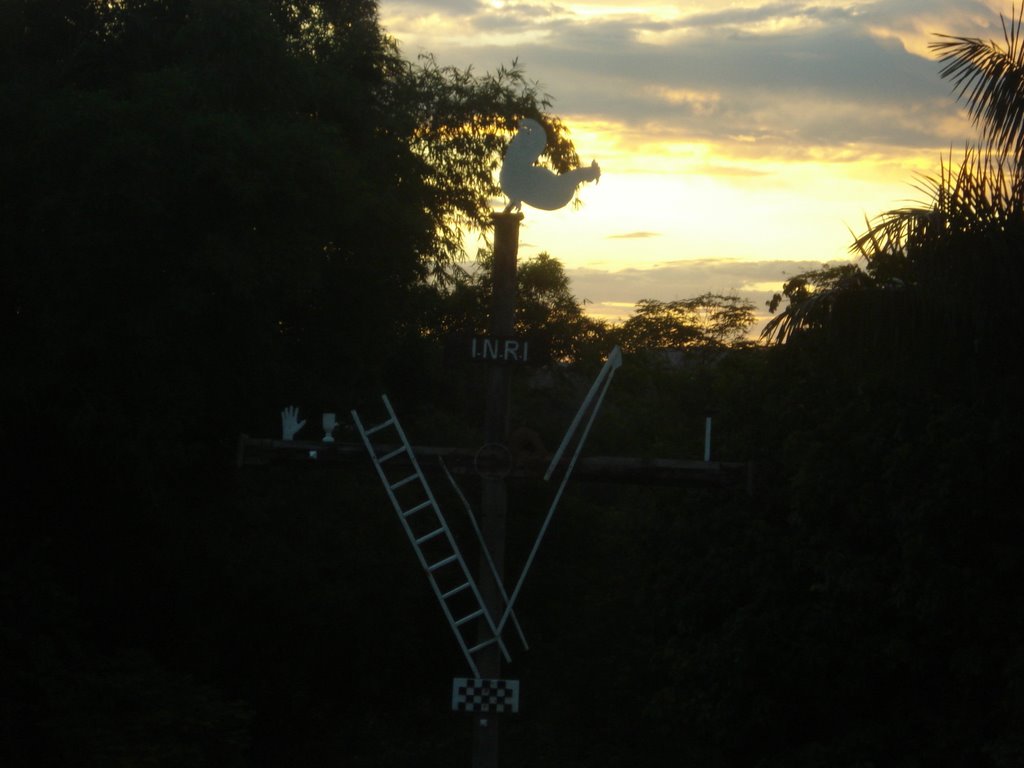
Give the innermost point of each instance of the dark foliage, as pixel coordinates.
(212, 208)
(217, 208)
(545, 309)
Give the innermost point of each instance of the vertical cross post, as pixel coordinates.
(494, 501)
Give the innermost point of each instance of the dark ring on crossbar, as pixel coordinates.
(493, 461)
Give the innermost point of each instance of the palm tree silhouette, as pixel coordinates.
(948, 261)
(989, 79)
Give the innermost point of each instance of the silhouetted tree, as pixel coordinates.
(216, 207)
(948, 266)
(545, 306)
(709, 321)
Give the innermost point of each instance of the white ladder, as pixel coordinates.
(432, 540)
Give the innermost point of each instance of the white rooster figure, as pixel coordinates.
(525, 182)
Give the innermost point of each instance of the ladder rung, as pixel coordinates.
(431, 535)
(417, 508)
(404, 481)
(474, 615)
(379, 427)
(455, 591)
(481, 646)
(443, 563)
(397, 452)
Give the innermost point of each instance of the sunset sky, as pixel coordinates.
(739, 142)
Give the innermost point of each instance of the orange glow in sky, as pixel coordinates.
(739, 141)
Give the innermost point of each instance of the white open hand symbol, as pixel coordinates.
(290, 423)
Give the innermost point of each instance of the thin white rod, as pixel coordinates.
(554, 502)
(485, 550)
(613, 362)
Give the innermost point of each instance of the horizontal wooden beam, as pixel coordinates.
(255, 452)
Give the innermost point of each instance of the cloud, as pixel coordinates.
(671, 281)
(772, 74)
(634, 236)
(744, 18)
(771, 88)
(612, 294)
(710, 169)
(421, 7)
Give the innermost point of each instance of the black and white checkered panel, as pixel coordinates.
(488, 696)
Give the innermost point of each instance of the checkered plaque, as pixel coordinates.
(490, 696)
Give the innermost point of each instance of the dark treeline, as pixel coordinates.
(216, 208)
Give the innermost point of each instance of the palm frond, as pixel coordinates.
(813, 298)
(979, 196)
(989, 79)
(938, 265)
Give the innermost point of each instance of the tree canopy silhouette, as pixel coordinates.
(545, 306)
(708, 321)
(947, 265)
(216, 208)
